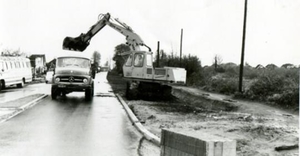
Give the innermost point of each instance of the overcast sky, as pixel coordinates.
(210, 27)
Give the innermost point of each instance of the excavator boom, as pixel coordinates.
(81, 42)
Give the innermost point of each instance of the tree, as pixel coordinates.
(7, 52)
(217, 61)
(162, 58)
(288, 65)
(271, 66)
(96, 57)
(120, 60)
(96, 62)
(106, 64)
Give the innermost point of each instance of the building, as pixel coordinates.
(38, 64)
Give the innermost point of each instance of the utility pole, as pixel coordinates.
(243, 49)
(181, 45)
(157, 58)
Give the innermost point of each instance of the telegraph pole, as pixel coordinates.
(181, 45)
(243, 49)
(157, 58)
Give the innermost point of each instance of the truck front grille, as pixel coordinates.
(71, 79)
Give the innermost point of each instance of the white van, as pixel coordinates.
(14, 71)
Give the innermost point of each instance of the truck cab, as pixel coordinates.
(72, 73)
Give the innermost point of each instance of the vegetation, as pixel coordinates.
(270, 84)
(118, 58)
(279, 86)
(10, 52)
(96, 57)
(191, 63)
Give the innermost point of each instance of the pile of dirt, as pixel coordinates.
(256, 134)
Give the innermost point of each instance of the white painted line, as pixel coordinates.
(32, 103)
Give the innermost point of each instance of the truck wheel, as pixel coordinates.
(63, 93)
(89, 93)
(54, 93)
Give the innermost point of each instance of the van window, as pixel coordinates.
(1, 66)
(10, 65)
(6, 65)
(17, 64)
(27, 64)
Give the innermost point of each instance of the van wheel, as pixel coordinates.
(20, 85)
(2, 84)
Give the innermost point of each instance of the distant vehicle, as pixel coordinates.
(49, 76)
(73, 73)
(103, 69)
(14, 71)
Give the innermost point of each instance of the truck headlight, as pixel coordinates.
(57, 79)
(85, 80)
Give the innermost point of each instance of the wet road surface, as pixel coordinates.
(71, 126)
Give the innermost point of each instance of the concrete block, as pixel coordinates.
(192, 144)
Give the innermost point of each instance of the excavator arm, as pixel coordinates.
(81, 42)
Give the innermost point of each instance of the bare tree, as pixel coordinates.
(96, 61)
(217, 61)
(9, 52)
(96, 57)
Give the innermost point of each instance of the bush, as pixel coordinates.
(279, 86)
(266, 85)
(288, 98)
(190, 63)
(196, 79)
(222, 85)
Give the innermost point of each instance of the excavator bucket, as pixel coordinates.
(74, 44)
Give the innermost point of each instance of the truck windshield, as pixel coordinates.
(73, 62)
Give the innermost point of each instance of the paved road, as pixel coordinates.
(71, 126)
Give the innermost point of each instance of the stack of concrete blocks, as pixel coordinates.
(191, 144)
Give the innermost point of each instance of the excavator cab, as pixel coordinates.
(75, 44)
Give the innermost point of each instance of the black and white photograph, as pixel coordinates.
(149, 77)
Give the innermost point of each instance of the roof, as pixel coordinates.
(12, 58)
(130, 52)
(66, 53)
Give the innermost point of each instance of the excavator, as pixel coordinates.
(142, 78)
